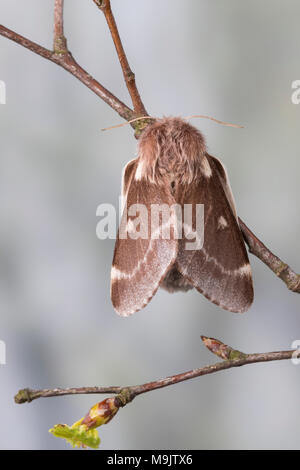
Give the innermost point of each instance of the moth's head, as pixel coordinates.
(173, 131)
(170, 145)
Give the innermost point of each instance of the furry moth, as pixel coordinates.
(173, 169)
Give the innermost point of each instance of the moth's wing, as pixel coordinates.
(140, 264)
(127, 173)
(220, 270)
(221, 170)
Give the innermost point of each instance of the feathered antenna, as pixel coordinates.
(186, 117)
(127, 122)
(215, 120)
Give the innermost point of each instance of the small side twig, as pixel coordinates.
(129, 76)
(59, 40)
(28, 395)
(281, 269)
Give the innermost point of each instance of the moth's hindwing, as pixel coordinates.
(221, 269)
(140, 264)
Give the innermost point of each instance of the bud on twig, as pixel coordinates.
(222, 350)
(83, 433)
(99, 414)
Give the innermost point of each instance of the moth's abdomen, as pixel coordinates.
(174, 281)
(170, 147)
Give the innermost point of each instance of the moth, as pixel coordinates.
(173, 169)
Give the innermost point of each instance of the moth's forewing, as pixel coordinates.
(127, 173)
(139, 265)
(222, 173)
(220, 270)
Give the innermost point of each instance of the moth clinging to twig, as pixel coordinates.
(175, 175)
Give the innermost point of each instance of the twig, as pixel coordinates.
(59, 40)
(68, 63)
(28, 395)
(237, 359)
(129, 76)
(281, 269)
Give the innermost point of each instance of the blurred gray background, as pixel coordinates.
(233, 60)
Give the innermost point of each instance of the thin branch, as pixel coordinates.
(28, 395)
(281, 269)
(32, 46)
(240, 359)
(68, 63)
(59, 40)
(129, 76)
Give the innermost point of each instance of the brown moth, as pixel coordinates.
(173, 169)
